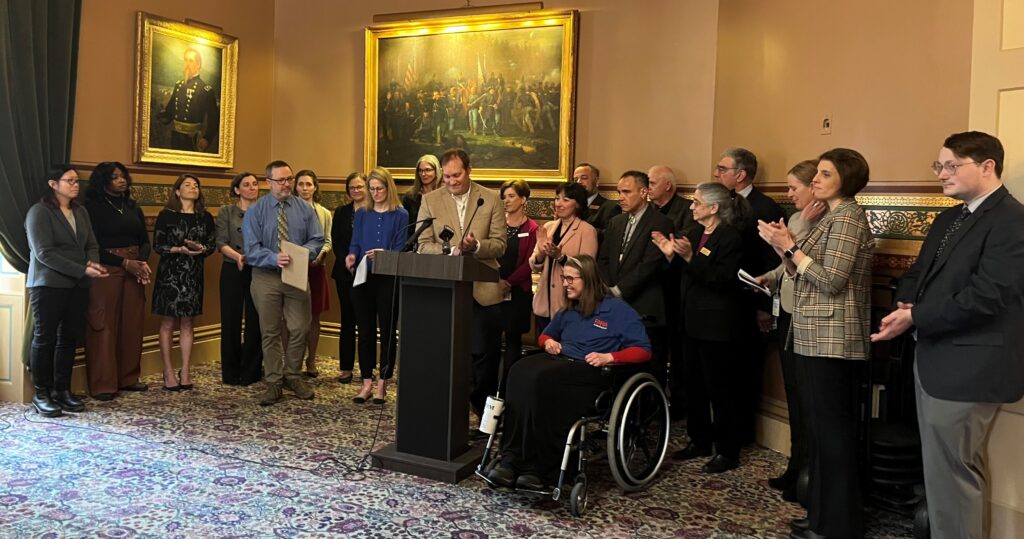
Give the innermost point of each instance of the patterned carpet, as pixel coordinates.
(211, 463)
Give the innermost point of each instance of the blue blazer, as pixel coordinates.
(58, 253)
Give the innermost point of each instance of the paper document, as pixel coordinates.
(361, 270)
(749, 280)
(297, 272)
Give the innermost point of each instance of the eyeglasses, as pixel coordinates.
(72, 181)
(424, 170)
(378, 189)
(289, 179)
(723, 170)
(569, 279)
(951, 168)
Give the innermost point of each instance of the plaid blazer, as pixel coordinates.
(832, 293)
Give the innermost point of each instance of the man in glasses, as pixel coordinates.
(600, 210)
(736, 169)
(273, 219)
(964, 300)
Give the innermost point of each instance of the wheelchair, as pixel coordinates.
(631, 426)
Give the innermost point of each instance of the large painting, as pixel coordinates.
(185, 94)
(500, 87)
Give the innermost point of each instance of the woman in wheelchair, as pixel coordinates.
(549, 391)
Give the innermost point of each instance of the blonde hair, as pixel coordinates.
(383, 175)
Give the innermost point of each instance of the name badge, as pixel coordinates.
(600, 324)
(595, 206)
(524, 234)
(705, 251)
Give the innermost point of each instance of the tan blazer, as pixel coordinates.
(580, 239)
(832, 288)
(488, 227)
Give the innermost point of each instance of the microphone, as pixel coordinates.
(479, 202)
(446, 236)
(411, 242)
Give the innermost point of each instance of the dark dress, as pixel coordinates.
(178, 288)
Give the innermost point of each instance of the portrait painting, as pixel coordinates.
(185, 93)
(500, 87)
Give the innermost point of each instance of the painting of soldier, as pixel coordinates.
(186, 94)
(503, 93)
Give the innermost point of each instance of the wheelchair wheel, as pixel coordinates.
(638, 431)
(578, 497)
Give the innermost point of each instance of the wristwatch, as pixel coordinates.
(788, 253)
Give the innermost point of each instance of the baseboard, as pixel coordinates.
(1005, 522)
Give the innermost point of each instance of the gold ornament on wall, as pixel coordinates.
(185, 88)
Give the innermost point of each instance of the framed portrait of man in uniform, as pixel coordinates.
(502, 87)
(185, 78)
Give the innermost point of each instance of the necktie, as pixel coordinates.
(953, 227)
(282, 225)
(630, 225)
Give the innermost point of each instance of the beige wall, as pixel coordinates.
(106, 74)
(894, 75)
(645, 82)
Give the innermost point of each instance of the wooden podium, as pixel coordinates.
(435, 324)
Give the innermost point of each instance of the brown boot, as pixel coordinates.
(300, 387)
(271, 394)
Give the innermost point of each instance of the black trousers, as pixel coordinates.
(834, 504)
(59, 320)
(486, 349)
(347, 337)
(515, 319)
(376, 306)
(714, 386)
(791, 380)
(546, 395)
(241, 360)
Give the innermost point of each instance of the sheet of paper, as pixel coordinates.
(361, 270)
(749, 280)
(297, 272)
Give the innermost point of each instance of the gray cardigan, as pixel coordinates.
(59, 253)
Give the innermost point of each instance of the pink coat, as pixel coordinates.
(580, 239)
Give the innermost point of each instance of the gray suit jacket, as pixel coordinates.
(59, 253)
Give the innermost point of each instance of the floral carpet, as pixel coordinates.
(211, 463)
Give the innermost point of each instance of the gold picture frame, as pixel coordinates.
(503, 87)
(185, 84)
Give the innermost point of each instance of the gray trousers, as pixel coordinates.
(275, 301)
(953, 438)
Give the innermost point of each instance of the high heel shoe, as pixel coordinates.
(181, 386)
(171, 388)
(380, 397)
(362, 397)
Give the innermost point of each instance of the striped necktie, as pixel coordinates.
(282, 224)
(953, 227)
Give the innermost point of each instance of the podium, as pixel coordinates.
(435, 324)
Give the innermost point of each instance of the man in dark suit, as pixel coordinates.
(663, 196)
(600, 210)
(194, 110)
(736, 169)
(964, 297)
(632, 265)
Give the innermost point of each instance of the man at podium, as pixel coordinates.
(469, 220)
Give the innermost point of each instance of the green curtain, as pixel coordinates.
(38, 62)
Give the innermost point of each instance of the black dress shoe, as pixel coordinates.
(137, 386)
(529, 481)
(800, 524)
(502, 475)
(44, 405)
(719, 464)
(806, 534)
(181, 386)
(67, 401)
(108, 396)
(692, 451)
(345, 379)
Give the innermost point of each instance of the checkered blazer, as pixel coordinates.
(832, 293)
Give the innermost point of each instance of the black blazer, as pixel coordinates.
(638, 275)
(341, 234)
(759, 257)
(600, 212)
(969, 304)
(709, 288)
(678, 210)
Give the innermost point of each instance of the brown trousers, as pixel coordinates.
(113, 337)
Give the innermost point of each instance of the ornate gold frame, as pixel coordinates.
(148, 25)
(569, 20)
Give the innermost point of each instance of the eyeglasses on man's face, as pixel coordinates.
(279, 181)
(722, 170)
(950, 167)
